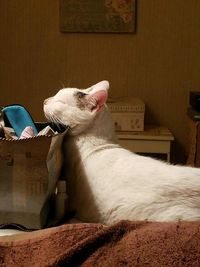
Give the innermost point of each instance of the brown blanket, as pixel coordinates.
(123, 244)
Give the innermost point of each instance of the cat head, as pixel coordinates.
(76, 108)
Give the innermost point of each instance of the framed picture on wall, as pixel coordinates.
(111, 16)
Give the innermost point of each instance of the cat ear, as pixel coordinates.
(103, 85)
(100, 98)
(98, 95)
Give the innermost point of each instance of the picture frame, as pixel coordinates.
(98, 16)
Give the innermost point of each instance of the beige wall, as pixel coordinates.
(160, 63)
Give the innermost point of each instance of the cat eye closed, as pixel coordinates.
(80, 95)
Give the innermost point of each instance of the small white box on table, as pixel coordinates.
(127, 114)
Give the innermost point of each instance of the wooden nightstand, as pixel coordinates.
(153, 139)
(194, 144)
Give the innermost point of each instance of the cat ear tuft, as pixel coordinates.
(100, 98)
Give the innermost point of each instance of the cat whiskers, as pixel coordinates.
(52, 118)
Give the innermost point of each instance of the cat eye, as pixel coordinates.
(80, 95)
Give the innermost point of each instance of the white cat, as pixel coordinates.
(108, 183)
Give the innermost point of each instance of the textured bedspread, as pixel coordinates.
(123, 244)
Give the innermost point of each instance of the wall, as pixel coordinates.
(160, 63)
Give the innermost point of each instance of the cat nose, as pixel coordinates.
(46, 101)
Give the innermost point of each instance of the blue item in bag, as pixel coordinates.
(19, 118)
